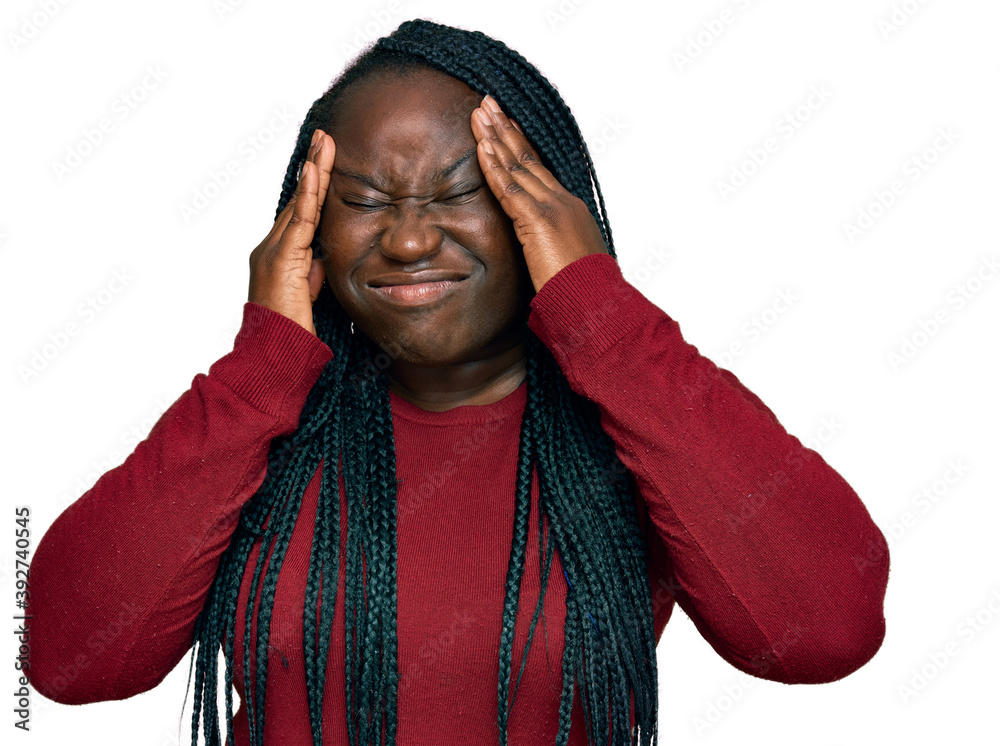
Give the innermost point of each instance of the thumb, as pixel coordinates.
(317, 273)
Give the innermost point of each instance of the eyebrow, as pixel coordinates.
(439, 175)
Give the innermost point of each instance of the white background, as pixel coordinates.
(665, 133)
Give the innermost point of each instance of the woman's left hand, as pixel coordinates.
(554, 226)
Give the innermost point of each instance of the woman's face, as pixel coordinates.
(407, 195)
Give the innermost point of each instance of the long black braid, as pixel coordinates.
(585, 494)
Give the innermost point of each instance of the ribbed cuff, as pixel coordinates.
(585, 308)
(274, 362)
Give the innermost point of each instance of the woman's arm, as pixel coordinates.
(119, 578)
(763, 535)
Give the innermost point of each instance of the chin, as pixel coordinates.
(416, 349)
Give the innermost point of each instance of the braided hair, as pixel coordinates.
(585, 493)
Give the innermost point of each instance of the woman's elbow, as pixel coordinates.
(62, 680)
(850, 628)
(72, 668)
(831, 642)
(838, 654)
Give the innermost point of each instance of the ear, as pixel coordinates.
(317, 274)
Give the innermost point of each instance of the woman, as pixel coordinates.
(438, 354)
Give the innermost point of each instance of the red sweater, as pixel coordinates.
(756, 537)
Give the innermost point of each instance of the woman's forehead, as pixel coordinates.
(422, 90)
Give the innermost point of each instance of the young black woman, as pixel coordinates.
(439, 351)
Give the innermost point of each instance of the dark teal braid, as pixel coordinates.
(585, 495)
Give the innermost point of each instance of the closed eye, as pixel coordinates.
(361, 205)
(454, 199)
(457, 197)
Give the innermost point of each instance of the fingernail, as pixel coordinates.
(491, 103)
(484, 117)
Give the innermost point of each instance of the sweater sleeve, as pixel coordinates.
(771, 553)
(119, 578)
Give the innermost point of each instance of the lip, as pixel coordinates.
(415, 278)
(416, 288)
(417, 294)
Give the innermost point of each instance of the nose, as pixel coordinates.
(412, 233)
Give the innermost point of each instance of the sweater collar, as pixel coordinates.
(511, 405)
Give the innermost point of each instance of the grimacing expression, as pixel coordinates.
(407, 194)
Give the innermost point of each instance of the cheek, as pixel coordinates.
(488, 227)
(343, 238)
(502, 238)
(338, 267)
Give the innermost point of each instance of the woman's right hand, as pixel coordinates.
(283, 274)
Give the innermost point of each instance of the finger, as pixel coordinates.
(508, 133)
(515, 186)
(298, 233)
(323, 157)
(286, 214)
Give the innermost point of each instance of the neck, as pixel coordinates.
(439, 389)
